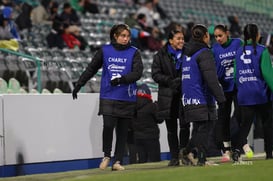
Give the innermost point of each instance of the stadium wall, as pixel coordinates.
(52, 133)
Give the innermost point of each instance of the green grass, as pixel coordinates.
(256, 170)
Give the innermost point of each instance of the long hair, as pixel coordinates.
(198, 32)
(251, 32)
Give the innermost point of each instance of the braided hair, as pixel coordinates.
(251, 32)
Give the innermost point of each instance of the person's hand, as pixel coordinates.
(117, 81)
(75, 91)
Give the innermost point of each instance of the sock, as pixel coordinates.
(227, 146)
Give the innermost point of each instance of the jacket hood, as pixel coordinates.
(194, 46)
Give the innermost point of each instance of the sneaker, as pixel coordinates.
(248, 151)
(236, 156)
(173, 162)
(201, 158)
(117, 166)
(104, 163)
(226, 157)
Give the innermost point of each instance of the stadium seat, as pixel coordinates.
(57, 91)
(45, 91)
(14, 86)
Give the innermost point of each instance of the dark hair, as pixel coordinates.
(198, 32)
(117, 29)
(222, 27)
(172, 33)
(250, 32)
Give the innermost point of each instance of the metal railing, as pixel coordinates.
(37, 61)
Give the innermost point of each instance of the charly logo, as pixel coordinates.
(243, 57)
(188, 58)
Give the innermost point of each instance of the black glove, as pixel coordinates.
(117, 81)
(75, 91)
(175, 83)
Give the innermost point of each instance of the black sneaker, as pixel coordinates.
(201, 158)
(174, 162)
(236, 155)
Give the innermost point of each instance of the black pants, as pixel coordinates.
(175, 143)
(148, 150)
(121, 126)
(199, 139)
(248, 114)
(223, 125)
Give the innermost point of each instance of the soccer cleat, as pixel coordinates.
(104, 163)
(117, 166)
(248, 151)
(226, 157)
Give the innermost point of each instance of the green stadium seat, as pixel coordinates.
(14, 86)
(3, 86)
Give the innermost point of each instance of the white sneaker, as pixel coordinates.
(117, 166)
(226, 157)
(104, 163)
(248, 151)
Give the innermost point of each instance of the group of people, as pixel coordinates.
(192, 80)
(64, 20)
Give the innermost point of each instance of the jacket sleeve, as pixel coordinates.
(137, 69)
(157, 72)
(267, 69)
(92, 68)
(207, 67)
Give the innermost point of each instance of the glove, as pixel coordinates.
(117, 81)
(75, 91)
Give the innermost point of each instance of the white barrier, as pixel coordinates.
(1, 133)
(46, 128)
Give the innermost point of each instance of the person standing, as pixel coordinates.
(121, 67)
(253, 78)
(224, 52)
(200, 88)
(164, 73)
